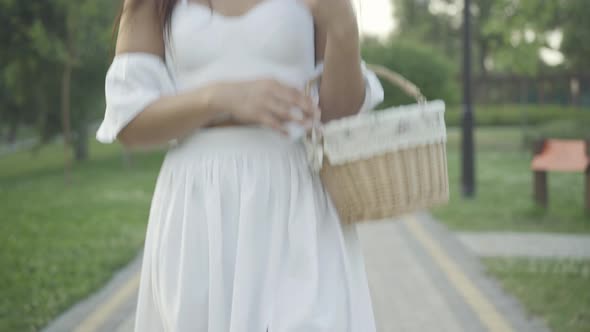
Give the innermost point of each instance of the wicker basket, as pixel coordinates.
(384, 164)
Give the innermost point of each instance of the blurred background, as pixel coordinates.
(72, 211)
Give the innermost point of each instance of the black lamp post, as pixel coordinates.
(468, 171)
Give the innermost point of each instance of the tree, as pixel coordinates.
(23, 66)
(519, 29)
(507, 34)
(45, 42)
(438, 29)
(82, 45)
(430, 70)
(576, 34)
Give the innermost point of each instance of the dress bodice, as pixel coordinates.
(274, 39)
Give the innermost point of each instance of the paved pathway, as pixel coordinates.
(539, 245)
(422, 279)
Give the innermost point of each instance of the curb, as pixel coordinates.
(87, 315)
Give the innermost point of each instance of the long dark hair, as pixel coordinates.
(163, 10)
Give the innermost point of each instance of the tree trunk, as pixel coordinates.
(42, 111)
(81, 143)
(65, 116)
(12, 131)
(483, 54)
(66, 91)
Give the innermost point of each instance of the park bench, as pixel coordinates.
(559, 156)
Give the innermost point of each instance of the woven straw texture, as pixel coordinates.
(388, 185)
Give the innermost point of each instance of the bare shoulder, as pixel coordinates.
(140, 29)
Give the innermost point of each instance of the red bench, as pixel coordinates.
(560, 156)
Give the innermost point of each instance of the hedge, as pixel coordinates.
(515, 115)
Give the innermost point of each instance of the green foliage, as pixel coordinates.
(431, 71)
(516, 31)
(576, 34)
(507, 34)
(39, 40)
(21, 71)
(416, 22)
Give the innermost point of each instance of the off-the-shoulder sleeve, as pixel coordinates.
(133, 81)
(374, 94)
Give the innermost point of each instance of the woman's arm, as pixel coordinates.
(342, 87)
(264, 101)
(169, 117)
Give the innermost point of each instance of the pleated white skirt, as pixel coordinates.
(242, 238)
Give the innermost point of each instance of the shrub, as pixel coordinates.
(429, 69)
(514, 115)
(564, 129)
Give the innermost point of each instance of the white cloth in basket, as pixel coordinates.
(396, 128)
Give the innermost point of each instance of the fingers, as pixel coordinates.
(270, 121)
(284, 103)
(295, 98)
(305, 103)
(285, 111)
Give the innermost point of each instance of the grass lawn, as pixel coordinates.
(59, 243)
(557, 290)
(504, 189)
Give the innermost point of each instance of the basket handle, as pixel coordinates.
(398, 80)
(315, 151)
(387, 74)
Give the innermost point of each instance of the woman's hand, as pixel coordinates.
(266, 101)
(332, 14)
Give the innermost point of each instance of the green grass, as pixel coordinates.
(557, 290)
(59, 243)
(504, 189)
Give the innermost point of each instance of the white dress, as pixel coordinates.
(241, 234)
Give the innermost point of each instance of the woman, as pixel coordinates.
(241, 235)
